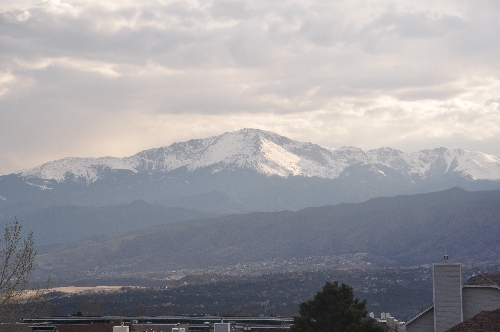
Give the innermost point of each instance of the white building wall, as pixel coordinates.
(447, 296)
(121, 328)
(479, 298)
(424, 323)
(222, 327)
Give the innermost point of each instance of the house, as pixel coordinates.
(454, 302)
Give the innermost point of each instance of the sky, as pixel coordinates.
(111, 78)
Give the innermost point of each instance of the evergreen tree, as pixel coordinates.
(334, 309)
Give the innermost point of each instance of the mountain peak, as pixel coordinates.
(263, 151)
(270, 154)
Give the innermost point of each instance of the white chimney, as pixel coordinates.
(447, 291)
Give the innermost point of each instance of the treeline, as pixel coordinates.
(402, 292)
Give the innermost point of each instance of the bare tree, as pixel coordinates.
(16, 267)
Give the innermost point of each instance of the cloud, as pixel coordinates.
(114, 77)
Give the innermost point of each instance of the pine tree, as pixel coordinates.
(334, 309)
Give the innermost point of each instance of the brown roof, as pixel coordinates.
(15, 328)
(485, 321)
(484, 279)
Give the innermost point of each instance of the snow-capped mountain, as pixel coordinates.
(270, 154)
(247, 170)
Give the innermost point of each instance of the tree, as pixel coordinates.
(140, 311)
(334, 309)
(91, 308)
(120, 311)
(16, 267)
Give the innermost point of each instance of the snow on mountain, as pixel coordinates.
(478, 165)
(473, 164)
(83, 168)
(265, 152)
(273, 155)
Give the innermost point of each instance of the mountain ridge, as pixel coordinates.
(69, 223)
(273, 155)
(398, 231)
(251, 170)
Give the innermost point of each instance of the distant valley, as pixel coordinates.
(401, 291)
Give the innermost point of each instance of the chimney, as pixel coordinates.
(447, 292)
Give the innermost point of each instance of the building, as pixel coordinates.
(222, 327)
(454, 302)
(485, 321)
(153, 324)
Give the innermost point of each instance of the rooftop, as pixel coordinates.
(485, 321)
(484, 279)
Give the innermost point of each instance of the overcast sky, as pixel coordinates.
(96, 78)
